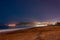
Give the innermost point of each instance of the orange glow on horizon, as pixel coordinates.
(12, 25)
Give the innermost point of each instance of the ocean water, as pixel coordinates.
(4, 27)
(17, 27)
(7, 29)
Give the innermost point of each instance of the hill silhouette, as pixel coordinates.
(57, 24)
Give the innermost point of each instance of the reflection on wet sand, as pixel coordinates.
(37, 33)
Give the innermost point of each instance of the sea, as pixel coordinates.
(8, 29)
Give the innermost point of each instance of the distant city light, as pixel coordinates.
(33, 24)
(40, 25)
(12, 25)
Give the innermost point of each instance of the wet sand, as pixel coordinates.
(37, 33)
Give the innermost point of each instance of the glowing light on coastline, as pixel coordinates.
(40, 25)
(11, 25)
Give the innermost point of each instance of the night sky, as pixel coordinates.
(29, 10)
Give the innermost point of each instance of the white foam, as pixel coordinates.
(8, 30)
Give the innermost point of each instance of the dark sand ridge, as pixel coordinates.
(37, 33)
